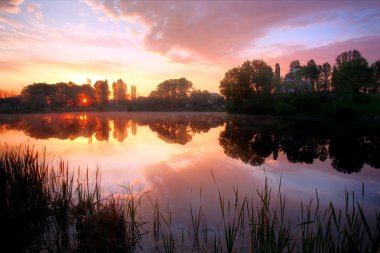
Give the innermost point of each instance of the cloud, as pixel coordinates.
(11, 6)
(9, 22)
(219, 30)
(367, 45)
(35, 10)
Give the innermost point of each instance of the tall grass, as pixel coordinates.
(45, 208)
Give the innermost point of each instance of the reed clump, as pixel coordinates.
(46, 208)
(43, 208)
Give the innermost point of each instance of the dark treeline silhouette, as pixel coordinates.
(172, 94)
(253, 87)
(180, 93)
(171, 129)
(349, 149)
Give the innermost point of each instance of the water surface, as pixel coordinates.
(172, 155)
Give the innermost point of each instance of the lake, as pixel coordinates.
(184, 159)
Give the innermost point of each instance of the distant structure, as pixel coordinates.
(133, 92)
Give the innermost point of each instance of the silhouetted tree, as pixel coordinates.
(294, 65)
(199, 98)
(277, 76)
(239, 85)
(310, 73)
(119, 91)
(101, 92)
(376, 70)
(234, 91)
(352, 74)
(174, 92)
(37, 95)
(324, 77)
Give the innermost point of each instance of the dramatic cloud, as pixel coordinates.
(11, 6)
(215, 30)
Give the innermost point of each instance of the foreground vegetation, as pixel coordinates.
(44, 208)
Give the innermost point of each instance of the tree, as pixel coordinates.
(175, 92)
(376, 71)
(6, 94)
(241, 84)
(294, 65)
(347, 56)
(199, 98)
(119, 91)
(352, 74)
(324, 77)
(37, 95)
(310, 73)
(261, 77)
(231, 88)
(101, 92)
(277, 76)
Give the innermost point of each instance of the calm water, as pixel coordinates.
(171, 155)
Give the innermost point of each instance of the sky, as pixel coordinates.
(147, 42)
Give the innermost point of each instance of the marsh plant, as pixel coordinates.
(51, 208)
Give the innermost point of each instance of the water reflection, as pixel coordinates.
(171, 128)
(349, 149)
(253, 140)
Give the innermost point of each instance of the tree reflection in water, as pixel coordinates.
(252, 141)
(348, 151)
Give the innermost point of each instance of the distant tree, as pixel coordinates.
(277, 76)
(347, 56)
(37, 95)
(119, 91)
(310, 73)
(352, 74)
(376, 71)
(6, 94)
(175, 92)
(86, 95)
(294, 65)
(101, 92)
(60, 95)
(199, 98)
(324, 77)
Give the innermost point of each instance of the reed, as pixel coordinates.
(49, 208)
(24, 197)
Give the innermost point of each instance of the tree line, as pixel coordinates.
(255, 87)
(169, 94)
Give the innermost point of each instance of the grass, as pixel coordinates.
(46, 208)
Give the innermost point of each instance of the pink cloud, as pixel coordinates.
(35, 10)
(217, 30)
(369, 46)
(10, 22)
(11, 6)
(97, 66)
